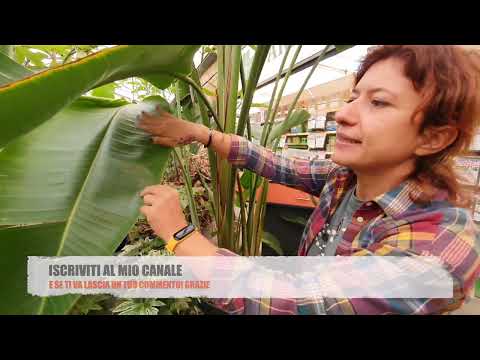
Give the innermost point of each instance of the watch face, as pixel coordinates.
(179, 235)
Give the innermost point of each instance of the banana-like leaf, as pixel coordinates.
(27, 103)
(16, 244)
(106, 91)
(72, 170)
(43, 171)
(80, 175)
(7, 50)
(298, 117)
(11, 71)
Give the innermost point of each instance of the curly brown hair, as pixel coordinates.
(448, 79)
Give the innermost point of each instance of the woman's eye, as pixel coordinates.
(349, 101)
(378, 103)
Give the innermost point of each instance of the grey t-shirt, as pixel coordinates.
(339, 222)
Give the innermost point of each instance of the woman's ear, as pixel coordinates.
(435, 138)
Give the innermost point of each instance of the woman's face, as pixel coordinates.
(375, 130)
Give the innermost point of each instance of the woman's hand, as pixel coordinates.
(168, 130)
(164, 214)
(163, 210)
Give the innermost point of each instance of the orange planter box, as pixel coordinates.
(284, 195)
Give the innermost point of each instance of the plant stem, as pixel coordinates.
(222, 166)
(212, 158)
(257, 66)
(242, 217)
(242, 78)
(71, 52)
(294, 102)
(201, 96)
(272, 115)
(261, 222)
(188, 188)
(252, 219)
(272, 98)
(256, 178)
(184, 168)
(232, 58)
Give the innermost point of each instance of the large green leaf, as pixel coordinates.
(7, 50)
(27, 103)
(83, 185)
(106, 91)
(15, 245)
(70, 177)
(42, 172)
(11, 71)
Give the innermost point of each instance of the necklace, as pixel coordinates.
(327, 235)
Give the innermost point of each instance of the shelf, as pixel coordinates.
(275, 122)
(297, 134)
(298, 146)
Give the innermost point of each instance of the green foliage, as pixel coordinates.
(71, 167)
(7, 50)
(143, 242)
(106, 91)
(272, 241)
(247, 180)
(41, 57)
(299, 220)
(64, 85)
(171, 306)
(297, 118)
(139, 307)
(26, 55)
(89, 303)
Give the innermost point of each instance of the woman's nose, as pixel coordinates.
(347, 115)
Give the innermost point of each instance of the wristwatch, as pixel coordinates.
(180, 236)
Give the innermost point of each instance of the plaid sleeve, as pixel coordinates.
(455, 241)
(309, 176)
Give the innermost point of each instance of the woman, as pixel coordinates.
(390, 190)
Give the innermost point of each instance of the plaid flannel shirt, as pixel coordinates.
(390, 225)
